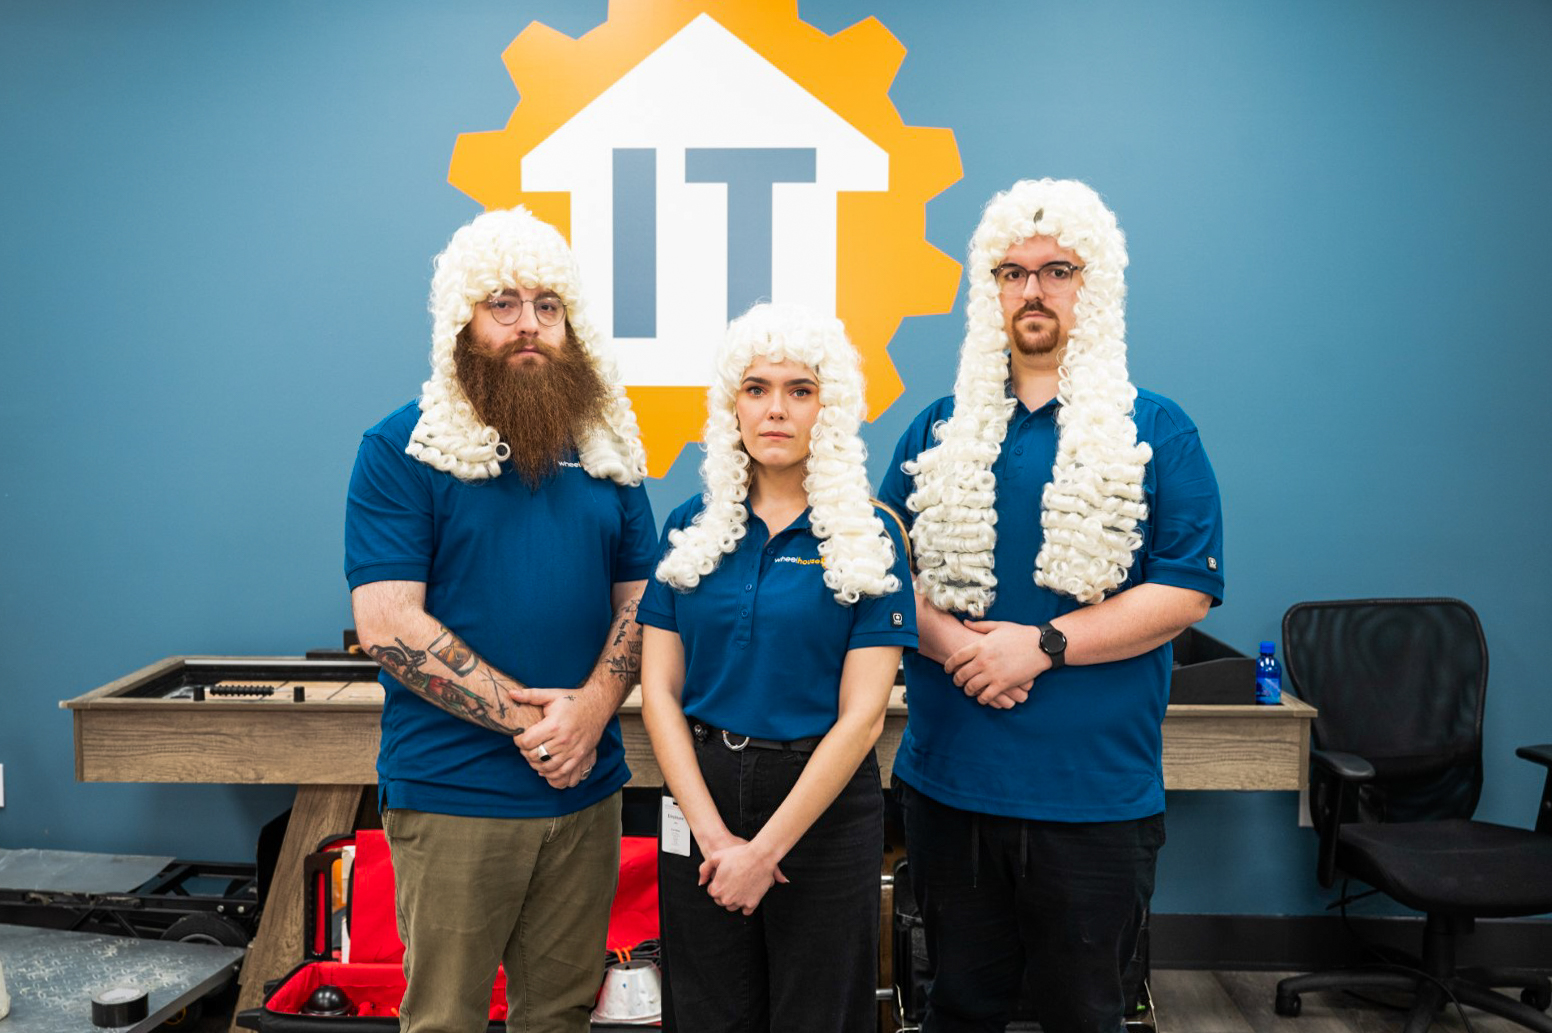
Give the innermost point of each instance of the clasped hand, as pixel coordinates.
(1000, 666)
(568, 733)
(740, 874)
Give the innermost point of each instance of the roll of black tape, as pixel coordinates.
(119, 1006)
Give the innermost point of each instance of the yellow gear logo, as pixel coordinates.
(684, 143)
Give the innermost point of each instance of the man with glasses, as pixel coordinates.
(1066, 528)
(497, 539)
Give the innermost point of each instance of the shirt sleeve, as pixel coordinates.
(388, 516)
(1187, 518)
(638, 542)
(659, 603)
(888, 620)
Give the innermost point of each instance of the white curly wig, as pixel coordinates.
(856, 550)
(1094, 500)
(497, 251)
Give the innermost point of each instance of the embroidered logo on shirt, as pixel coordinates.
(1212, 563)
(795, 559)
(573, 466)
(897, 619)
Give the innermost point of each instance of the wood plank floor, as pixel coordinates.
(1187, 1001)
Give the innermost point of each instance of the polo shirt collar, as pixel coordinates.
(802, 522)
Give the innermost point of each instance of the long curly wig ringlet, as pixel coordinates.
(1094, 501)
(497, 251)
(856, 550)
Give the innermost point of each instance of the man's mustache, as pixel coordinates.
(524, 344)
(1034, 307)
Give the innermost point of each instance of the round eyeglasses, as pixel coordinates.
(1053, 277)
(507, 308)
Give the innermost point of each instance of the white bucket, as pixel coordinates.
(632, 993)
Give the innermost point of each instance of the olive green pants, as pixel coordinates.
(530, 893)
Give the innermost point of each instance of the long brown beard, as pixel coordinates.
(541, 410)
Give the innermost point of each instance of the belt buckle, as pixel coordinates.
(729, 743)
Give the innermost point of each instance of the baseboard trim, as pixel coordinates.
(1308, 942)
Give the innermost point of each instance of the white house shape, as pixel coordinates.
(703, 88)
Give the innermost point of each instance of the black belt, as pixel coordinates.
(704, 732)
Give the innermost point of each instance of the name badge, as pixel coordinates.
(675, 835)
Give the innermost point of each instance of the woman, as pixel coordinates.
(774, 628)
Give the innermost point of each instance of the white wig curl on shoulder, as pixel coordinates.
(856, 550)
(497, 251)
(1094, 501)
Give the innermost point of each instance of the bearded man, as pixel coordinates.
(1067, 527)
(497, 540)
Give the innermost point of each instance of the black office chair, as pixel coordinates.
(1396, 776)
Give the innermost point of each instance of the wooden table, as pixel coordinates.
(327, 747)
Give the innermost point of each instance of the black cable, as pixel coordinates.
(1386, 964)
(646, 950)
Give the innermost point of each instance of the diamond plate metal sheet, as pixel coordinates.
(52, 975)
(75, 872)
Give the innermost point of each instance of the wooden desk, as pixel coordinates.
(327, 747)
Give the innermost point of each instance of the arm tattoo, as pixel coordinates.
(499, 692)
(452, 651)
(405, 662)
(622, 622)
(401, 661)
(627, 666)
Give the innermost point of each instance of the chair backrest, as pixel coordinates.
(1401, 683)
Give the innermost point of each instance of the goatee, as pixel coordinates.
(1030, 341)
(542, 409)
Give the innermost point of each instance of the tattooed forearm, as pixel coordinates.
(625, 622)
(498, 691)
(454, 652)
(403, 662)
(406, 664)
(459, 701)
(626, 664)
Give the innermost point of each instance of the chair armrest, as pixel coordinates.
(1333, 773)
(1349, 767)
(1541, 755)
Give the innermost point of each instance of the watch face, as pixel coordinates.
(1052, 640)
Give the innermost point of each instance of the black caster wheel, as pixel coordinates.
(1538, 996)
(211, 929)
(1289, 1005)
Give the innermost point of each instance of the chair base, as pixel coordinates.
(1434, 982)
(1431, 996)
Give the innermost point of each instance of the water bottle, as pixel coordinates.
(1269, 676)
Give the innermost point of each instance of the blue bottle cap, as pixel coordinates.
(1269, 647)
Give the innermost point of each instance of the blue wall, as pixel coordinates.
(216, 223)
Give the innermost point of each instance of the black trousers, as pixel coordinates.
(998, 893)
(807, 959)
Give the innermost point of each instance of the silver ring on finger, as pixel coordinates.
(543, 754)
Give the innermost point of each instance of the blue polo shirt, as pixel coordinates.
(1087, 744)
(524, 577)
(764, 638)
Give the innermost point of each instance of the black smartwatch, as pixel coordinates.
(1054, 645)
